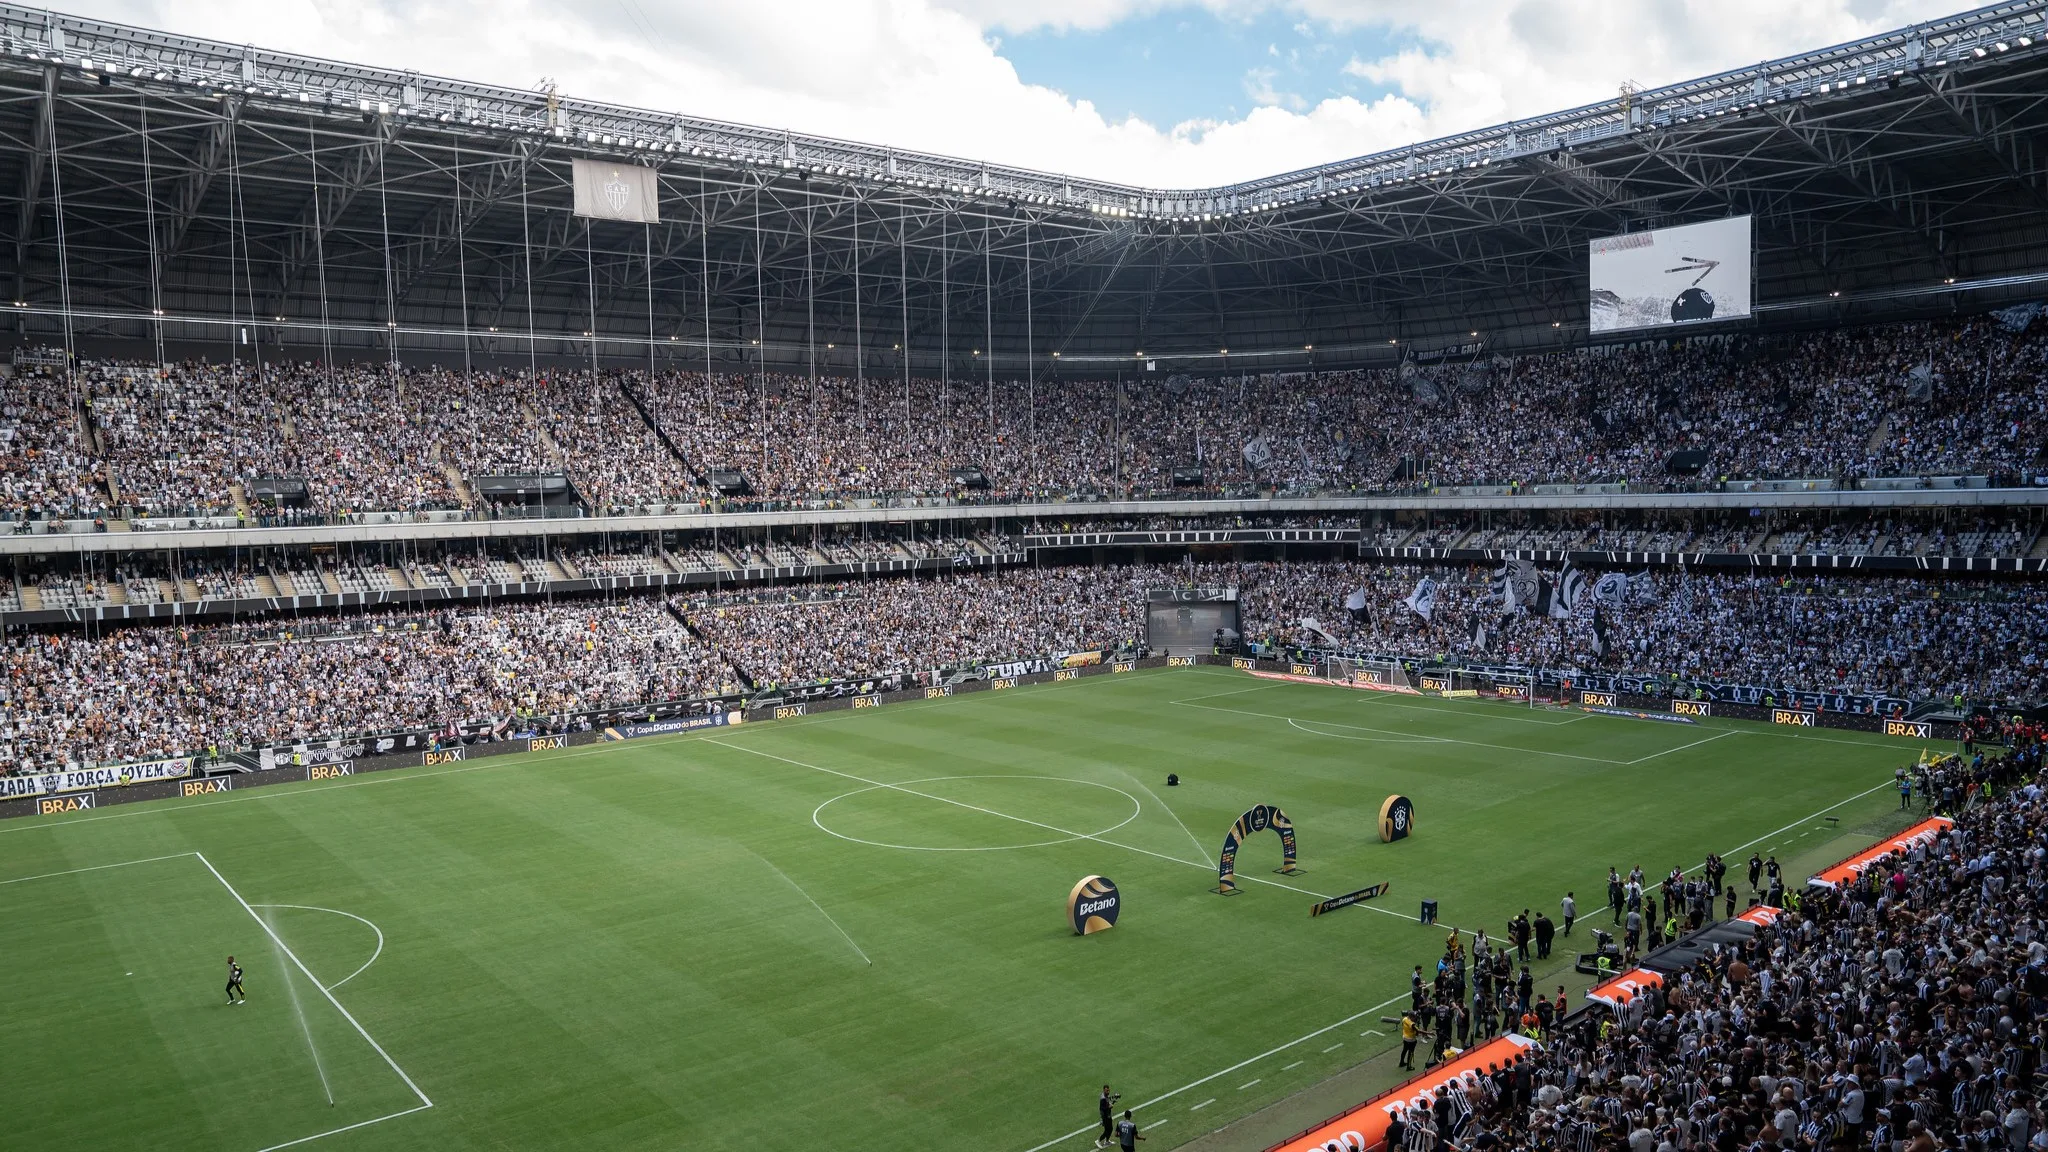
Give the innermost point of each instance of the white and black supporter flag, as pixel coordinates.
(1354, 603)
(1482, 636)
(1571, 587)
(1610, 590)
(1422, 601)
(1259, 452)
(1600, 644)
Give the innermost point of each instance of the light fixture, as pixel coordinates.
(1834, 294)
(1308, 347)
(1555, 324)
(1475, 333)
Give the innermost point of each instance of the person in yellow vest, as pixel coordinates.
(1411, 1032)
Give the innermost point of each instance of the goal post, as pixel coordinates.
(1369, 673)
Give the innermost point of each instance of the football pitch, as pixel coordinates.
(846, 931)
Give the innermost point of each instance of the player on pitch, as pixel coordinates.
(235, 982)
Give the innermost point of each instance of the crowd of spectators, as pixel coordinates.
(1931, 398)
(141, 692)
(1856, 635)
(1902, 1011)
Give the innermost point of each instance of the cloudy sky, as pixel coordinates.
(1166, 93)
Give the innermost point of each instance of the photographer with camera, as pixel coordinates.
(1108, 1106)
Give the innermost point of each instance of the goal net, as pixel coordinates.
(1387, 674)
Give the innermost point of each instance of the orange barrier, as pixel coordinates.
(1365, 1127)
(1854, 867)
(1624, 988)
(1763, 915)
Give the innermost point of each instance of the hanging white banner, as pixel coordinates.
(617, 192)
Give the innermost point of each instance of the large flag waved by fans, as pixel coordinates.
(1422, 601)
(1571, 587)
(1610, 590)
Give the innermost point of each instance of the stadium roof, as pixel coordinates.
(216, 185)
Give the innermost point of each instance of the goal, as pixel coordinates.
(1387, 674)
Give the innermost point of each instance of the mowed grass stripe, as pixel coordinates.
(584, 949)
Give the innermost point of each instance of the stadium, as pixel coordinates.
(634, 631)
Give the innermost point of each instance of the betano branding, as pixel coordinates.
(1366, 1126)
(1093, 905)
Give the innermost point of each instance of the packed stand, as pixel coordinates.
(1900, 1012)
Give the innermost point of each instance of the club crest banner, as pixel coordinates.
(617, 192)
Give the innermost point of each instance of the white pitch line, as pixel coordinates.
(1199, 1107)
(1157, 1123)
(1683, 747)
(1333, 1047)
(1199, 849)
(820, 907)
(1293, 1066)
(347, 1128)
(1298, 726)
(1233, 692)
(301, 965)
(1242, 1087)
(96, 868)
(338, 912)
(1798, 822)
(1203, 865)
(1411, 735)
(1372, 1032)
(1164, 1096)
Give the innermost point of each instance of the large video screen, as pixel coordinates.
(1685, 275)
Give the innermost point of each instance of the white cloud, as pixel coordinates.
(927, 74)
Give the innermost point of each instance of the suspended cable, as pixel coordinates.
(156, 296)
(526, 248)
(461, 257)
(320, 259)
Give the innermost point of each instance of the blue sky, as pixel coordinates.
(1167, 67)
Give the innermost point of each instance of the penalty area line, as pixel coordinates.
(347, 1128)
(315, 981)
(96, 868)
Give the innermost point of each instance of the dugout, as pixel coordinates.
(1184, 621)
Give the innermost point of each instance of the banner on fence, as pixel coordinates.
(88, 779)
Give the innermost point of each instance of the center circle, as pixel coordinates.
(1044, 810)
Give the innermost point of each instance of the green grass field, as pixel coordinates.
(840, 932)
